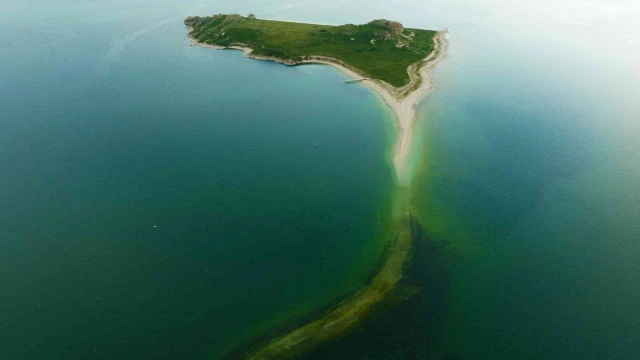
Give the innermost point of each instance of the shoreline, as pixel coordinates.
(358, 305)
(402, 101)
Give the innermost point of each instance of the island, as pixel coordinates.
(394, 61)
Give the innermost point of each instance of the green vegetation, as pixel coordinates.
(381, 49)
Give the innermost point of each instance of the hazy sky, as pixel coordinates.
(605, 30)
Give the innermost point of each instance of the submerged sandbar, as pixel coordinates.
(396, 63)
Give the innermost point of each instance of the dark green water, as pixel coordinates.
(161, 201)
(270, 187)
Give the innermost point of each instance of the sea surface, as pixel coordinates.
(161, 201)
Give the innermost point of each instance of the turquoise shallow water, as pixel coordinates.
(526, 187)
(532, 181)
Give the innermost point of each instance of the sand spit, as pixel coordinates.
(402, 101)
(354, 308)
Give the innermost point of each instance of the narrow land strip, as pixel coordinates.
(402, 101)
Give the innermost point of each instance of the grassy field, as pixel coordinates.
(371, 48)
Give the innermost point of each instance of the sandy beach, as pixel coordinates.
(402, 101)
